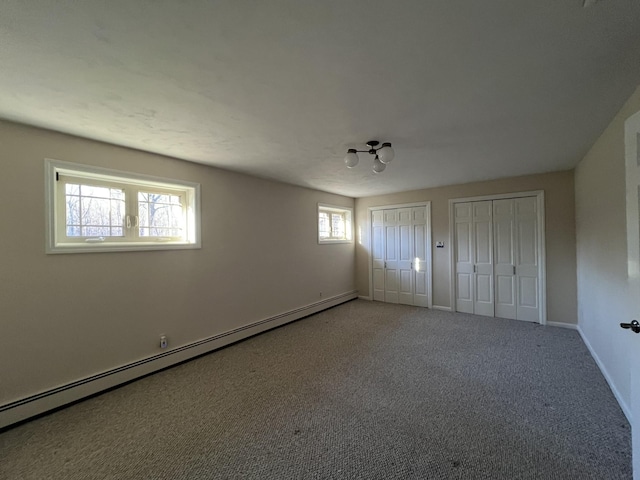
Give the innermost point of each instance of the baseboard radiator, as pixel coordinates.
(54, 398)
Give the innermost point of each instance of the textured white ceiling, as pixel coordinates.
(465, 90)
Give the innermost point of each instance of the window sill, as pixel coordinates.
(120, 247)
(328, 242)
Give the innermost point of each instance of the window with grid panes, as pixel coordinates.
(95, 209)
(334, 224)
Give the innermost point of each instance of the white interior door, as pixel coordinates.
(483, 303)
(377, 254)
(391, 251)
(464, 260)
(632, 149)
(504, 241)
(420, 278)
(527, 260)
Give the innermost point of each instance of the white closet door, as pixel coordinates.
(405, 256)
(391, 272)
(504, 233)
(399, 256)
(527, 261)
(464, 256)
(378, 248)
(483, 255)
(419, 221)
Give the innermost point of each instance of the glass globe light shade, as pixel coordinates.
(386, 153)
(378, 166)
(351, 159)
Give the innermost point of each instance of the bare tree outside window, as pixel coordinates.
(161, 214)
(94, 211)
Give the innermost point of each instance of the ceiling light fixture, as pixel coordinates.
(383, 155)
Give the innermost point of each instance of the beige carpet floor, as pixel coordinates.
(362, 391)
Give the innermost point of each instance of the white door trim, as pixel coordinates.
(542, 274)
(429, 256)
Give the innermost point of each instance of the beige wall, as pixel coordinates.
(64, 317)
(560, 230)
(603, 297)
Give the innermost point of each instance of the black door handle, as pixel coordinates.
(634, 326)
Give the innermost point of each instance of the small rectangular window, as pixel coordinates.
(334, 224)
(91, 209)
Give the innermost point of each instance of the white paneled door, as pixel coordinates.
(527, 259)
(483, 258)
(504, 237)
(632, 344)
(391, 258)
(377, 254)
(420, 239)
(464, 257)
(497, 260)
(399, 255)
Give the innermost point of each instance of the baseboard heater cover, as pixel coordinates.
(27, 407)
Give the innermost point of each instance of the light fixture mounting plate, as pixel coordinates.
(373, 143)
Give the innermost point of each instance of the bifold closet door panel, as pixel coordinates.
(392, 267)
(483, 255)
(405, 256)
(464, 257)
(504, 238)
(527, 260)
(420, 281)
(377, 254)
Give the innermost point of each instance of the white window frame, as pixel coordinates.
(58, 242)
(348, 214)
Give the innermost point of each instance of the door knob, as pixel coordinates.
(634, 326)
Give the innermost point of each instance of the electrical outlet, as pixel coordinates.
(163, 341)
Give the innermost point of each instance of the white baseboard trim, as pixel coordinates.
(625, 408)
(440, 307)
(33, 405)
(362, 297)
(570, 326)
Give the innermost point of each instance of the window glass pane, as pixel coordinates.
(176, 216)
(73, 210)
(337, 226)
(161, 215)
(323, 225)
(73, 231)
(72, 189)
(96, 232)
(143, 214)
(117, 213)
(93, 206)
(94, 191)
